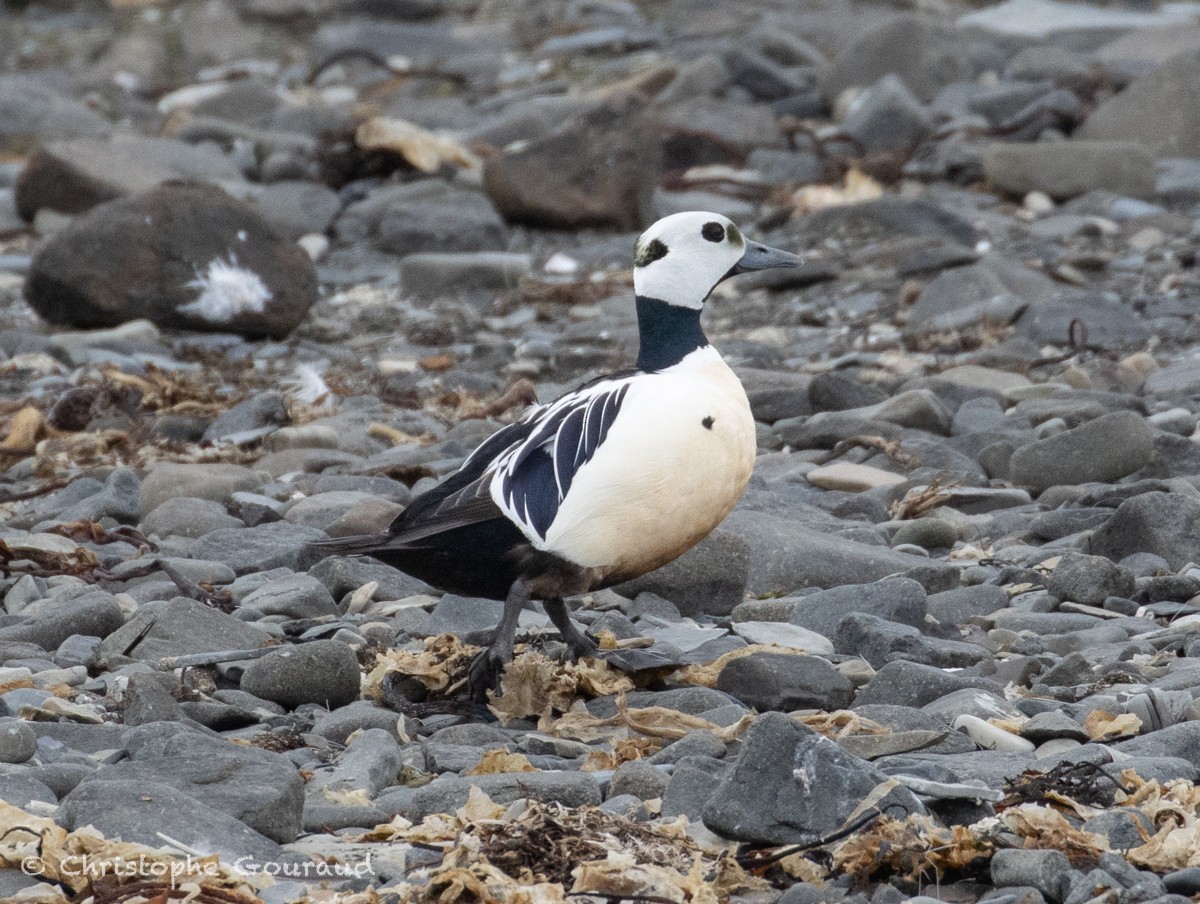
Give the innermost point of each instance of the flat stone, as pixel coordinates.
(1101, 451)
(272, 545)
(261, 789)
(772, 681)
(1066, 169)
(137, 811)
(178, 627)
(850, 477)
(784, 635)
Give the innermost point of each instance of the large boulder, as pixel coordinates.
(1158, 111)
(600, 169)
(182, 256)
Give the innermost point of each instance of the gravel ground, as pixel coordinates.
(269, 269)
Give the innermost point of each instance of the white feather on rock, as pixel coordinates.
(227, 290)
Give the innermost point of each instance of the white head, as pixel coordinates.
(681, 258)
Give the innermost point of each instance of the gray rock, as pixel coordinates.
(706, 130)
(1181, 741)
(571, 789)
(786, 555)
(878, 640)
(1065, 169)
(912, 684)
(1177, 380)
(883, 219)
(695, 743)
(600, 168)
(1124, 827)
(886, 117)
(898, 599)
(295, 208)
(995, 291)
(273, 545)
(342, 575)
(214, 482)
(769, 681)
(338, 725)
(692, 785)
(296, 596)
(1101, 451)
(74, 175)
(21, 790)
(17, 741)
(137, 811)
(149, 697)
(957, 606)
(262, 411)
(370, 763)
(31, 110)
(263, 790)
(1089, 580)
(640, 779)
(1153, 111)
(924, 52)
(1110, 326)
(927, 533)
(187, 516)
(1048, 871)
(791, 785)
(177, 627)
(433, 274)
(1165, 524)
(709, 578)
(324, 672)
(49, 622)
(423, 216)
(118, 499)
(137, 257)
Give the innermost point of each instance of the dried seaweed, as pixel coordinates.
(1084, 783)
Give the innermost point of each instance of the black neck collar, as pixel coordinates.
(668, 333)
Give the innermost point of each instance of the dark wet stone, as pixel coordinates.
(769, 681)
(792, 785)
(598, 169)
(140, 257)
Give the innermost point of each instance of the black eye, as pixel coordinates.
(714, 232)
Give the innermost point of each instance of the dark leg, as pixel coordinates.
(577, 642)
(485, 671)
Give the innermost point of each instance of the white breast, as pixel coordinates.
(673, 465)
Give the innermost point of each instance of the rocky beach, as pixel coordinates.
(271, 268)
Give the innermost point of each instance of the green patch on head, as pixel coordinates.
(731, 232)
(649, 253)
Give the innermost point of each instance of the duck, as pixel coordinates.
(611, 480)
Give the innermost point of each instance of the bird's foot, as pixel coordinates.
(579, 646)
(486, 670)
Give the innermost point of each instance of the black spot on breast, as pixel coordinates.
(649, 253)
(713, 231)
(708, 422)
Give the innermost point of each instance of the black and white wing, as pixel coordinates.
(521, 473)
(530, 480)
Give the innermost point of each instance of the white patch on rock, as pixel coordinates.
(227, 290)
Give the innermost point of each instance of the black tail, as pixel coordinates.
(358, 545)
